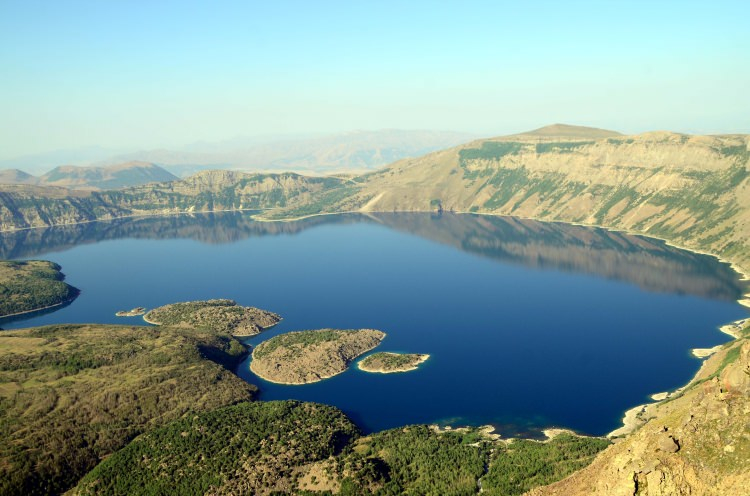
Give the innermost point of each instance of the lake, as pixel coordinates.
(528, 324)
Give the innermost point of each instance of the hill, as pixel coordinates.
(112, 177)
(23, 206)
(16, 176)
(560, 131)
(70, 395)
(92, 178)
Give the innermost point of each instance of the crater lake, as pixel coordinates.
(528, 325)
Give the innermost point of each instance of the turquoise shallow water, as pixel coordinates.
(528, 325)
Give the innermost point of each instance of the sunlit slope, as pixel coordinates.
(692, 190)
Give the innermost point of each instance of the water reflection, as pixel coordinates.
(650, 264)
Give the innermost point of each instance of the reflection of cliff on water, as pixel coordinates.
(648, 263)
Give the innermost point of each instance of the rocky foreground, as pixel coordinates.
(311, 356)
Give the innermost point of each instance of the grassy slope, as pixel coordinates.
(73, 394)
(31, 285)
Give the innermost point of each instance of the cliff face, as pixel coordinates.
(691, 190)
(23, 206)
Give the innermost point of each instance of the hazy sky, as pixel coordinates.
(152, 73)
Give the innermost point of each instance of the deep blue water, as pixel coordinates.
(527, 327)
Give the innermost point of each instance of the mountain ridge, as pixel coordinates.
(121, 175)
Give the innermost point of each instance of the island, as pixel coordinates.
(32, 285)
(386, 362)
(215, 315)
(131, 313)
(310, 356)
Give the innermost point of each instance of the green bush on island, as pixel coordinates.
(391, 362)
(309, 356)
(32, 285)
(215, 315)
(296, 340)
(71, 395)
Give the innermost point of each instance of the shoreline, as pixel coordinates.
(71, 300)
(736, 267)
(632, 420)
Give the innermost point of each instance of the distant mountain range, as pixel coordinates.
(356, 151)
(92, 178)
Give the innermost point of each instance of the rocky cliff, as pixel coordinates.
(24, 206)
(695, 443)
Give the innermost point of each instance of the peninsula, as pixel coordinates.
(311, 356)
(387, 363)
(216, 315)
(32, 285)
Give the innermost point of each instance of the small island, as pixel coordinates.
(214, 315)
(386, 362)
(131, 313)
(311, 356)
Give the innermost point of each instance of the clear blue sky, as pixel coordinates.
(154, 73)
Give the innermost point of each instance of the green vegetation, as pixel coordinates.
(32, 285)
(214, 315)
(490, 150)
(310, 356)
(561, 146)
(73, 394)
(298, 340)
(507, 182)
(415, 460)
(333, 200)
(243, 449)
(521, 465)
(291, 447)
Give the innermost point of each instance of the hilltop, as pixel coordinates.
(116, 176)
(558, 131)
